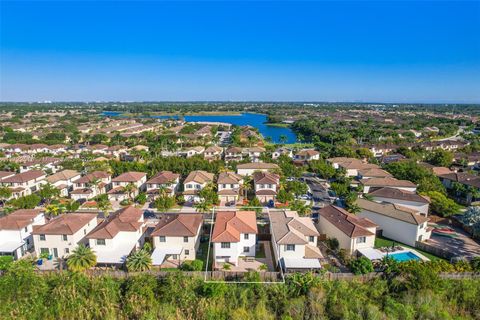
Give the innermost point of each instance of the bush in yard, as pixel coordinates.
(194, 265)
(361, 265)
(475, 264)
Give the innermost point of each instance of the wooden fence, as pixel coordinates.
(434, 250)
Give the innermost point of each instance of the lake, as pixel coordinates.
(252, 119)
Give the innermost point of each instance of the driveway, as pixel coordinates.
(462, 245)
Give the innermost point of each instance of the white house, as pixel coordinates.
(61, 235)
(63, 180)
(294, 241)
(176, 238)
(16, 231)
(247, 169)
(91, 185)
(163, 179)
(266, 186)
(401, 197)
(118, 192)
(228, 187)
(233, 154)
(352, 232)
(234, 236)
(396, 222)
(117, 236)
(307, 155)
(373, 183)
(351, 165)
(254, 153)
(213, 153)
(193, 151)
(282, 151)
(195, 182)
(25, 183)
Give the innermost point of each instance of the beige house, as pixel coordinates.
(352, 232)
(233, 154)
(176, 238)
(63, 180)
(388, 182)
(247, 169)
(25, 183)
(163, 179)
(61, 235)
(196, 181)
(307, 155)
(118, 192)
(91, 185)
(266, 186)
(213, 153)
(351, 165)
(228, 187)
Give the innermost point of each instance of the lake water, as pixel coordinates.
(252, 119)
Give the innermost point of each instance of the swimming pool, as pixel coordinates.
(404, 256)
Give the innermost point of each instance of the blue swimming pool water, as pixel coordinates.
(404, 256)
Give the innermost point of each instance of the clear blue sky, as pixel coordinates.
(310, 51)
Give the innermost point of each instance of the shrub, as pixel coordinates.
(361, 265)
(194, 265)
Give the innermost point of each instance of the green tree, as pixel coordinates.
(139, 261)
(5, 194)
(361, 265)
(48, 192)
(440, 157)
(441, 205)
(164, 203)
(26, 202)
(81, 259)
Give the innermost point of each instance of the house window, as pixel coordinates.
(26, 229)
(290, 247)
(42, 237)
(187, 252)
(270, 186)
(361, 239)
(224, 186)
(67, 251)
(162, 239)
(189, 186)
(100, 242)
(225, 245)
(64, 237)
(185, 239)
(245, 236)
(311, 239)
(231, 186)
(246, 249)
(44, 250)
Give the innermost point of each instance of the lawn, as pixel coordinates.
(202, 255)
(260, 252)
(385, 242)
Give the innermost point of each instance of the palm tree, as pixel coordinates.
(81, 259)
(246, 186)
(5, 194)
(283, 139)
(139, 261)
(129, 189)
(202, 207)
(104, 205)
(72, 206)
(94, 184)
(54, 209)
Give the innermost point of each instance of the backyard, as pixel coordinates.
(385, 242)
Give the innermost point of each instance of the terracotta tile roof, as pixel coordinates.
(214, 149)
(227, 192)
(92, 176)
(375, 173)
(178, 225)
(308, 152)
(346, 222)
(289, 228)
(163, 177)
(387, 182)
(229, 225)
(265, 192)
(82, 191)
(399, 194)
(24, 176)
(18, 219)
(462, 177)
(65, 224)
(258, 166)
(128, 219)
(62, 175)
(233, 150)
(266, 178)
(393, 211)
(228, 178)
(5, 174)
(199, 176)
(130, 176)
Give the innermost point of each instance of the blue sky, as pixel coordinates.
(284, 51)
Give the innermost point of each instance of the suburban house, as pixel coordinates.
(307, 155)
(396, 222)
(63, 180)
(176, 238)
(266, 186)
(466, 181)
(282, 151)
(166, 180)
(61, 235)
(25, 183)
(91, 185)
(213, 153)
(47, 164)
(16, 231)
(193, 151)
(253, 153)
(234, 236)
(195, 182)
(373, 173)
(401, 197)
(119, 190)
(247, 169)
(351, 165)
(228, 187)
(352, 232)
(374, 183)
(233, 154)
(114, 238)
(294, 241)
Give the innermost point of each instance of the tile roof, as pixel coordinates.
(289, 228)
(266, 178)
(346, 222)
(130, 176)
(178, 225)
(199, 176)
(65, 224)
(18, 219)
(393, 211)
(398, 194)
(228, 178)
(258, 165)
(24, 176)
(387, 182)
(463, 177)
(127, 219)
(229, 225)
(92, 176)
(163, 177)
(62, 175)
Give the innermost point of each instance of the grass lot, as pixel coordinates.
(203, 255)
(279, 125)
(385, 242)
(260, 252)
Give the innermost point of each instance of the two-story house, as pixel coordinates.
(61, 235)
(266, 186)
(375, 183)
(294, 241)
(228, 187)
(63, 180)
(233, 154)
(176, 238)
(213, 153)
(117, 236)
(353, 233)
(25, 183)
(16, 231)
(234, 236)
(195, 182)
(247, 169)
(193, 151)
(253, 153)
(164, 181)
(401, 197)
(307, 155)
(91, 185)
(120, 192)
